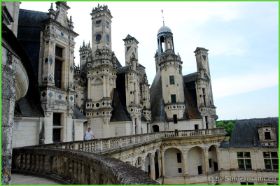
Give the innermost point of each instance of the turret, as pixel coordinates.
(205, 101)
(85, 51)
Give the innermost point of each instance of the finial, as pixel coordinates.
(83, 42)
(162, 17)
(51, 8)
(70, 19)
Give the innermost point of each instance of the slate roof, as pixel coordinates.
(30, 24)
(119, 112)
(192, 111)
(30, 104)
(245, 133)
(157, 104)
(77, 114)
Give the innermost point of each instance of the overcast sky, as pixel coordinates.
(242, 39)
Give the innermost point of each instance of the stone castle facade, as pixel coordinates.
(49, 100)
(116, 98)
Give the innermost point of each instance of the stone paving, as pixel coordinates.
(27, 179)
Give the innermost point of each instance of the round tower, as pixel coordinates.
(170, 66)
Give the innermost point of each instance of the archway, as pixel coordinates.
(173, 162)
(155, 128)
(213, 160)
(195, 161)
(148, 164)
(156, 160)
(138, 162)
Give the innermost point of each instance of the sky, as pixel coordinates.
(242, 39)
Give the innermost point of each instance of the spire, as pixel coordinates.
(162, 18)
(51, 12)
(51, 8)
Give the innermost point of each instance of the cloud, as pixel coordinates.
(234, 85)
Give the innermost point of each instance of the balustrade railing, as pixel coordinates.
(75, 167)
(107, 144)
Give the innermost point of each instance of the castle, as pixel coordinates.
(59, 100)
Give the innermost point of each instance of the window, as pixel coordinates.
(196, 127)
(179, 170)
(97, 22)
(210, 163)
(206, 122)
(58, 66)
(57, 127)
(267, 136)
(246, 183)
(244, 160)
(58, 51)
(173, 98)
(199, 169)
(204, 96)
(107, 38)
(171, 80)
(107, 24)
(98, 37)
(179, 158)
(270, 160)
(175, 120)
(58, 73)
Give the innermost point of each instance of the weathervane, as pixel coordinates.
(162, 17)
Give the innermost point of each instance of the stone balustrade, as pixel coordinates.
(116, 143)
(75, 167)
(191, 133)
(107, 144)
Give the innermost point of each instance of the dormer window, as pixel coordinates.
(267, 136)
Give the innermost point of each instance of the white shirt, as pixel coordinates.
(88, 135)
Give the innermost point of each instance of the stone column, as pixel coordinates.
(8, 105)
(185, 161)
(152, 165)
(162, 170)
(159, 164)
(206, 161)
(48, 127)
(68, 127)
(218, 157)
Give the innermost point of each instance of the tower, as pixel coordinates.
(205, 101)
(101, 73)
(131, 49)
(170, 66)
(85, 52)
(101, 27)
